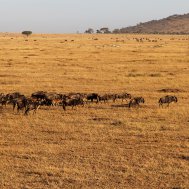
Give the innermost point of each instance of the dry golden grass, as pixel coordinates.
(100, 145)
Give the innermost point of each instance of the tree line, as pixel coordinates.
(104, 30)
(101, 30)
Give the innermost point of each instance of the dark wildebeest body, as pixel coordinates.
(15, 95)
(39, 95)
(167, 100)
(107, 97)
(2, 99)
(76, 96)
(123, 96)
(1, 95)
(72, 102)
(20, 102)
(112, 97)
(32, 106)
(49, 99)
(104, 98)
(136, 101)
(53, 99)
(8, 98)
(93, 96)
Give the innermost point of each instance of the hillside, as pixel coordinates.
(176, 24)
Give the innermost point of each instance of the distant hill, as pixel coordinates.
(175, 24)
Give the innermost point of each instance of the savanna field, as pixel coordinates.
(104, 145)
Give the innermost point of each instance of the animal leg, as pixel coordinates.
(27, 111)
(14, 106)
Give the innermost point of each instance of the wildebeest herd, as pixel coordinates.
(41, 98)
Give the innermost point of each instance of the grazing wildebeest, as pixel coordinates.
(72, 102)
(39, 95)
(76, 95)
(1, 95)
(167, 100)
(104, 98)
(53, 99)
(93, 96)
(8, 98)
(136, 101)
(32, 106)
(24, 102)
(107, 97)
(49, 99)
(112, 97)
(3, 99)
(14, 95)
(123, 96)
(21, 103)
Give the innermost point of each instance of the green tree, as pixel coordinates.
(116, 31)
(105, 30)
(27, 33)
(98, 31)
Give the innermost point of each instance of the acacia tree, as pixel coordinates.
(116, 31)
(105, 30)
(98, 31)
(27, 33)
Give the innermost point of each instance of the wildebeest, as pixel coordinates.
(3, 99)
(136, 101)
(72, 102)
(104, 98)
(93, 96)
(39, 95)
(49, 99)
(8, 98)
(1, 95)
(32, 106)
(76, 95)
(167, 100)
(53, 99)
(14, 95)
(21, 103)
(107, 97)
(123, 96)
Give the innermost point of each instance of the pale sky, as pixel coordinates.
(69, 16)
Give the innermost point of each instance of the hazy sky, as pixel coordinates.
(69, 16)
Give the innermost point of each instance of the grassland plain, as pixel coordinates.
(99, 145)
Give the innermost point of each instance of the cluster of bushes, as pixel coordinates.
(101, 30)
